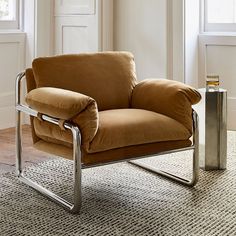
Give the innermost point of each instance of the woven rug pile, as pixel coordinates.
(122, 199)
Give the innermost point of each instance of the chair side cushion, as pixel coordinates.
(167, 97)
(67, 105)
(58, 103)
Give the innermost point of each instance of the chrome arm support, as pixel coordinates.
(75, 207)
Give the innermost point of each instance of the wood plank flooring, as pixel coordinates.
(8, 149)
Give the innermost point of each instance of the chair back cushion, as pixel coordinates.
(108, 77)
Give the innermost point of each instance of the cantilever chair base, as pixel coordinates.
(78, 166)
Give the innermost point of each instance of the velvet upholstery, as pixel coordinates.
(113, 154)
(171, 98)
(60, 103)
(52, 133)
(31, 84)
(108, 78)
(30, 80)
(117, 116)
(120, 128)
(128, 127)
(66, 105)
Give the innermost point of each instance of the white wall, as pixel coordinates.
(12, 54)
(221, 60)
(176, 40)
(44, 25)
(29, 29)
(140, 26)
(38, 26)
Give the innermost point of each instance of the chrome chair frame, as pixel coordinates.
(78, 166)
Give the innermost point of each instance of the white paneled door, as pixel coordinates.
(82, 26)
(76, 26)
(75, 7)
(75, 34)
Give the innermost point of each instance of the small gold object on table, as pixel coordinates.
(212, 83)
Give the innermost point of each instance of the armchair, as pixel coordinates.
(90, 108)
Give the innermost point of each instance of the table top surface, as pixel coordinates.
(220, 90)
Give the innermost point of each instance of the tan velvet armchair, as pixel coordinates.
(91, 109)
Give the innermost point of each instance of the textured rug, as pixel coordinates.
(122, 199)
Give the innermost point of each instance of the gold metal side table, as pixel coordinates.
(212, 111)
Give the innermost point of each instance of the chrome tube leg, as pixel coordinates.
(18, 144)
(77, 196)
(19, 77)
(195, 168)
(195, 174)
(77, 170)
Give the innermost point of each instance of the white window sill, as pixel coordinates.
(5, 32)
(219, 34)
(216, 40)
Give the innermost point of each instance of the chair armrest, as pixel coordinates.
(67, 105)
(58, 103)
(168, 97)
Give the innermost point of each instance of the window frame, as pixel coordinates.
(215, 27)
(12, 24)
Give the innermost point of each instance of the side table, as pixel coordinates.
(212, 111)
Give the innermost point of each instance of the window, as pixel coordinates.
(9, 14)
(220, 15)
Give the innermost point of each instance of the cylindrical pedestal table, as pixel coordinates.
(212, 111)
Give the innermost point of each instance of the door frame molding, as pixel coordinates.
(175, 40)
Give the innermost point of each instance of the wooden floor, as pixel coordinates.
(8, 149)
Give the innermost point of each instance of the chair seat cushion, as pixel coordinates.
(127, 127)
(120, 128)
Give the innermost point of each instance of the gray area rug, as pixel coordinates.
(122, 199)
